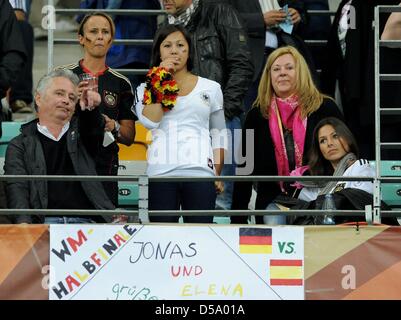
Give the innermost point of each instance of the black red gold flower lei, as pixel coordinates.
(160, 88)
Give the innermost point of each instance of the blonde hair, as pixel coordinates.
(309, 96)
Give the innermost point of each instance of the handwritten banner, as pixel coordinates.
(152, 262)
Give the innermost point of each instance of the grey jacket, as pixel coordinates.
(25, 156)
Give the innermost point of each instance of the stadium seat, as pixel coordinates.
(221, 220)
(10, 130)
(391, 192)
(136, 151)
(128, 192)
(132, 162)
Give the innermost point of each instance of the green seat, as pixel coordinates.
(391, 192)
(222, 220)
(10, 130)
(128, 194)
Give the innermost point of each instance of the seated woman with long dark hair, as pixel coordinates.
(334, 151)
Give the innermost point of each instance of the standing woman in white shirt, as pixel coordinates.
(187, 140)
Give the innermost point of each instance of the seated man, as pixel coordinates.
(57, 143)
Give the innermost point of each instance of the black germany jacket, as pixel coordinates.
(221, 51)
(25, 156)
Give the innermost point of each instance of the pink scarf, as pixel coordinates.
(285, 112)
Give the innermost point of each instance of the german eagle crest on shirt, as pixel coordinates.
(110, 98)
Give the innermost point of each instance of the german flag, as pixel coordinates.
(255, 240)
(286, 272)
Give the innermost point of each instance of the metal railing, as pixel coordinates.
(136, 12)
(379, 110)
(142, 214)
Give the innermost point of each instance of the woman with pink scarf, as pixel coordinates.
(279, 127)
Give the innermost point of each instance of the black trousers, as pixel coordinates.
(22, 89)
(185, 195)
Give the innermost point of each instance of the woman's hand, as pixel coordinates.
(119, 218)
(88, 99)
(82, 86)
(110, 124)
(170, 63)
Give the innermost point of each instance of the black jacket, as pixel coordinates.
(346, 199)
(263, 158)
(12, 49)
(355, 71)
(221, 51)
(252, 17)
(25, 156)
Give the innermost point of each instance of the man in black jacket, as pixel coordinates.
(265, 35)
(221, 53)
(257, 21)
(12, 51)
(57, 143)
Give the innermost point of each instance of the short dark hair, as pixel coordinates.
(317, 163)
(97, 14)
(161, 34)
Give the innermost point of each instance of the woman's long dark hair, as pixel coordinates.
(161, 34)
(318, 165)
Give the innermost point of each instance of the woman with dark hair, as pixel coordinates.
(186, 139)
(321, 163)
(334, 152)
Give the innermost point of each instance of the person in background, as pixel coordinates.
(317, 27)
(262, 19)
(132, 27)
(390, 91)
(57, 143)
(21, 98)
(392, 29)
(287, 109)
(253, 20)
(350, 71)
(96, 33)
(13, 55)
(186, 141)
(221, 54)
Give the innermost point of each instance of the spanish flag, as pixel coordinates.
(255, 240)
(286, 272)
